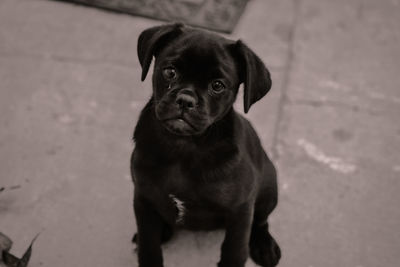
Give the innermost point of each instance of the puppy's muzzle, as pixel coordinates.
(186, 100)
(181, 113)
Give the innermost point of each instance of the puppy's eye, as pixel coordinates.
(169, 73)
(218, 86)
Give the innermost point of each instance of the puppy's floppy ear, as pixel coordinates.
(254, 75)
(152, 40)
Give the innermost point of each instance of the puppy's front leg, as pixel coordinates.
(149, 226)
(235, 248)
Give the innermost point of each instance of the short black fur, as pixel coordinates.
(193, 148)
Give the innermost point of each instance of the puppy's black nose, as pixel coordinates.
(185, 101)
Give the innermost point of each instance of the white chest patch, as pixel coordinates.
(180, 207)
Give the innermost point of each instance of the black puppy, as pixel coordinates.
(197, 163)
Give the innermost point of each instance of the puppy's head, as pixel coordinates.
(197, 75)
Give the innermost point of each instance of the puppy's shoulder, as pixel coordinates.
(244, 128)
(248, 141)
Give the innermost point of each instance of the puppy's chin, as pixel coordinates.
(180, 127)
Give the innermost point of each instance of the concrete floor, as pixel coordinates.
(70, 94)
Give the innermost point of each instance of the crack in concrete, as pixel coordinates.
(283, 100)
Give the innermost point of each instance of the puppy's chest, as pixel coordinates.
(194, 199)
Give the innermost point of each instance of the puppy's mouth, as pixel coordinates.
(179, 126)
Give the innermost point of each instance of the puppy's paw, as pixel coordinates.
(264, 250)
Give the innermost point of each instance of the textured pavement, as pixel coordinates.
(70, 94)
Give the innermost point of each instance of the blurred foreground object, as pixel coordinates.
(219, 15)
(9, 260)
